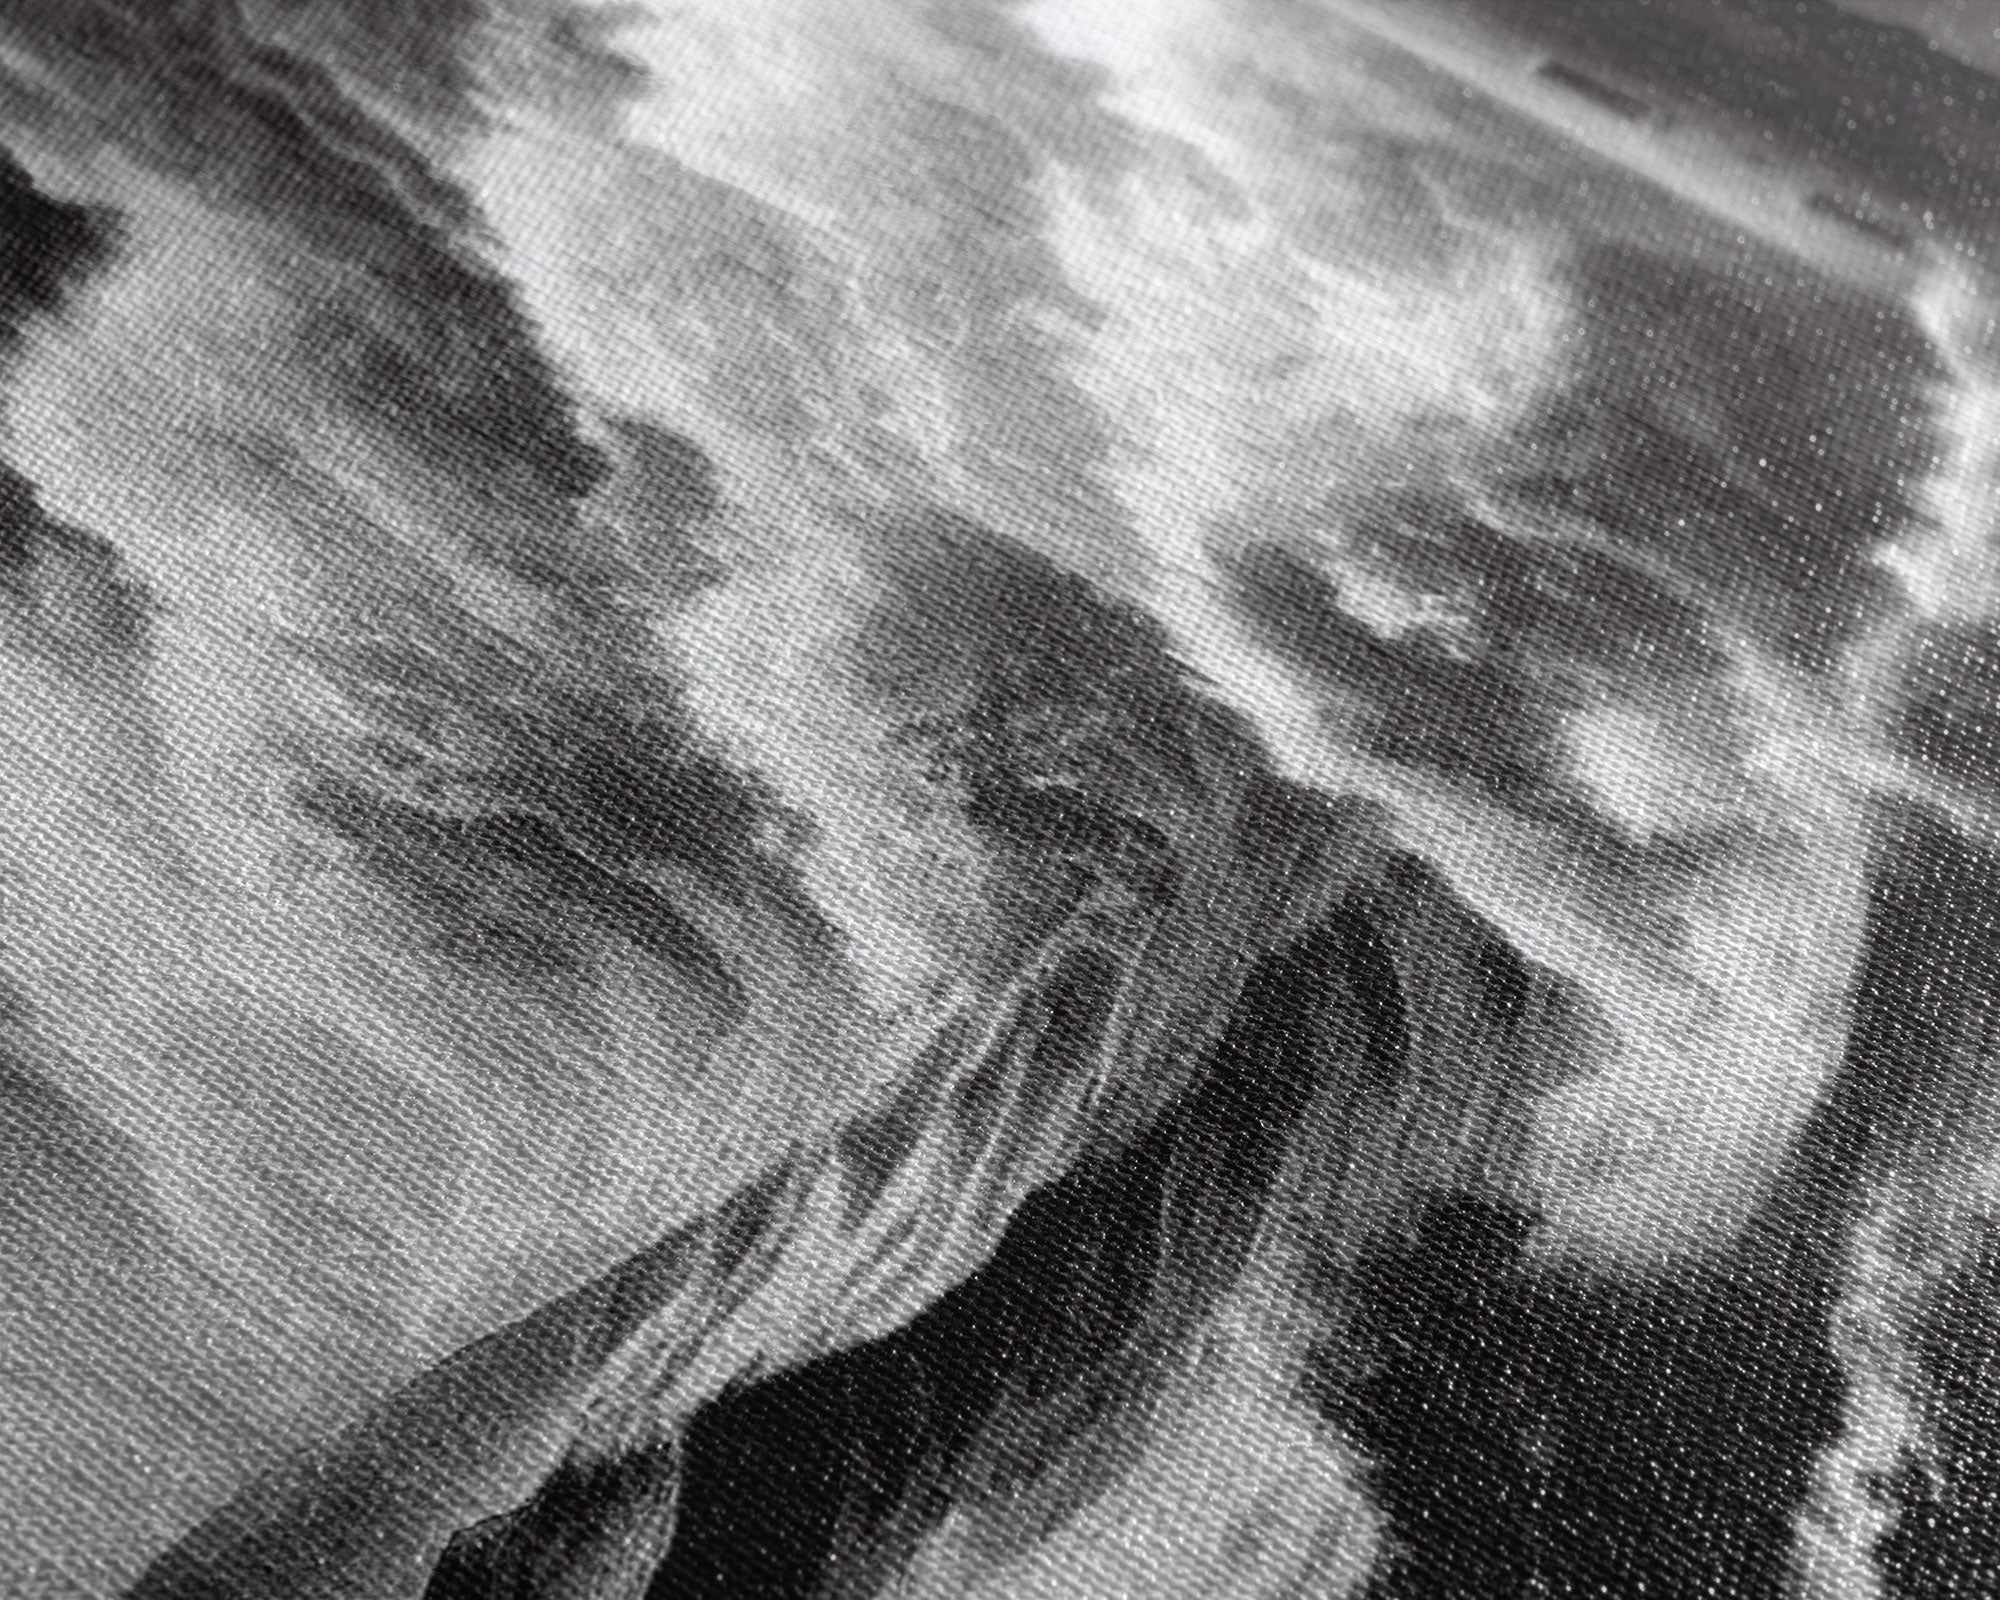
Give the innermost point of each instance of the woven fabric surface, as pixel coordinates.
(999, 799)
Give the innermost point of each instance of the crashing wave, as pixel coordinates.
(1024, 800)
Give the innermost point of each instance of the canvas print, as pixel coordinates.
(999, 799)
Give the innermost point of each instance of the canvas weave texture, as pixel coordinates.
(999, 799)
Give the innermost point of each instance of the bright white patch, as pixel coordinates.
(1849, 1509)
(1951, 569)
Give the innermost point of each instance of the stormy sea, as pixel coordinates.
(999, 799)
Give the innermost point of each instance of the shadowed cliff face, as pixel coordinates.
(1028, 799)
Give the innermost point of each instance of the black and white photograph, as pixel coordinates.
(999, 799)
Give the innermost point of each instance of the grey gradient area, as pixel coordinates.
(851, 798)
